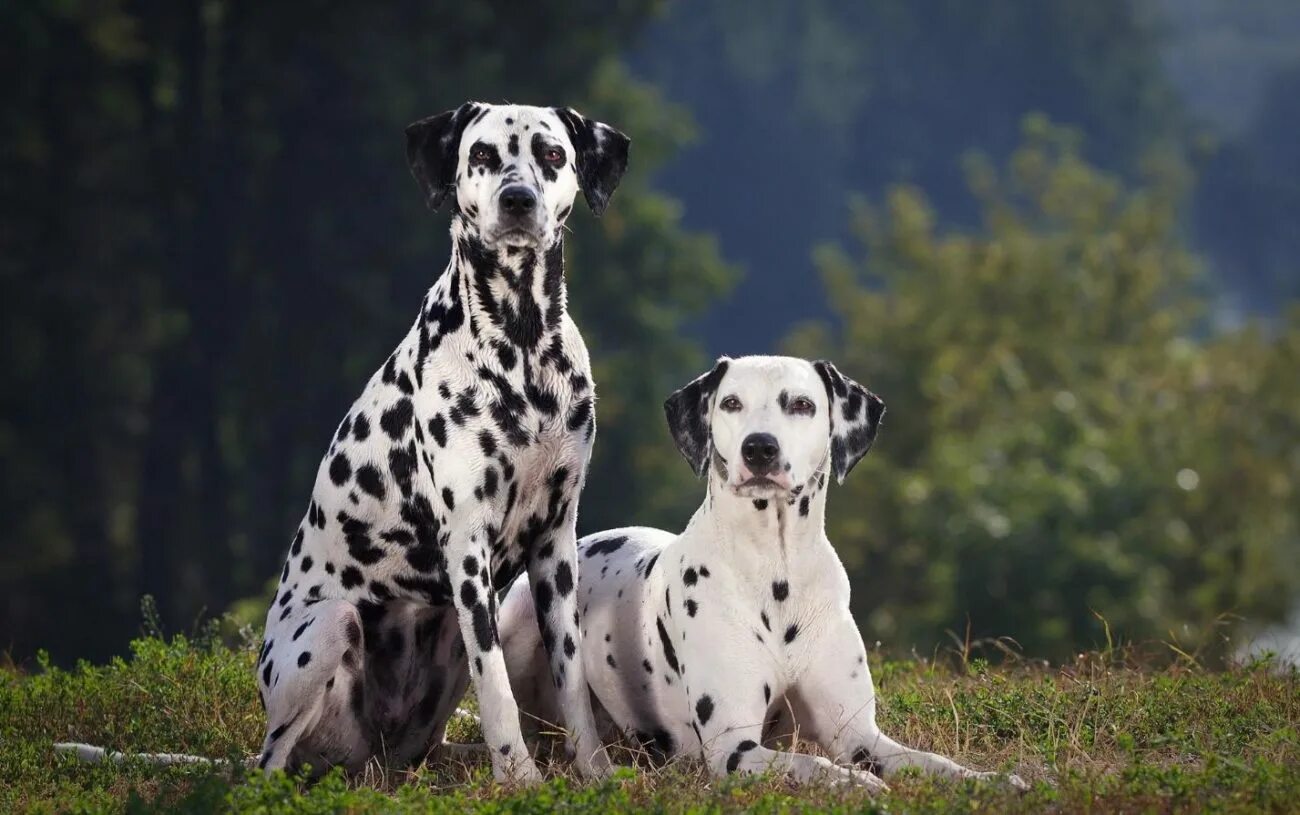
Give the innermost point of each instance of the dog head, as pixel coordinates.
(768, 425)
(514, 170)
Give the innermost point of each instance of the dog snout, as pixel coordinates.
(760, 452)
(518, 200)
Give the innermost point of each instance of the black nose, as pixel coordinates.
(760, 451)
(518, 200)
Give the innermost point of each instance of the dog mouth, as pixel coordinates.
(759, 485)
(517, 236)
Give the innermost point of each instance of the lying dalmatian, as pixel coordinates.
(717, 640)
(457, 468)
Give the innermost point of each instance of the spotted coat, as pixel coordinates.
(457, 468)
(717, 642)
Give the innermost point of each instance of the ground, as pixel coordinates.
(1099, 734)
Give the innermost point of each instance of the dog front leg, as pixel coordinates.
(730, 693)
(553, 576)
(476, 611)
(732, 746)
(841, 700)
(745, 755)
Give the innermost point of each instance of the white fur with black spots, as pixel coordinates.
(457, 468)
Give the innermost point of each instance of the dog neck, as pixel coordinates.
(513, 295)
(784, 523)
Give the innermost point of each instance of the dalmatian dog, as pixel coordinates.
(457, 468)
(716, 642)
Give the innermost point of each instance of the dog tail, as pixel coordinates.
(90, 754)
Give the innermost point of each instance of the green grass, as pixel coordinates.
(1099, 735)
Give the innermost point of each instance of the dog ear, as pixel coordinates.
(688, 416)
(855, 418)
(601, 156)
(433, 150)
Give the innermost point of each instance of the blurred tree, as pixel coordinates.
(636, 278)
(210, 239)
(803, 103)
(1063, 437)
(84, 312)
(1247, 209)
(1221, 54)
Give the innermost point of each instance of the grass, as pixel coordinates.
(1098, 735)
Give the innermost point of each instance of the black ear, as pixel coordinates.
(601, 156)
(855, 418)
(433, 149)
(688, 416)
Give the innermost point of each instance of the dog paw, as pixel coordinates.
(872, 782)
(597, 766)
(520, 771)
(1015, 782)
(845, 776)
(1009, 779)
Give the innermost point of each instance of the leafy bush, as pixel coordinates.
(1068, 439)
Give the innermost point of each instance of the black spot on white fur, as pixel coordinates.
(704, 709)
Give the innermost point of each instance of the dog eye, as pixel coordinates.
(803, 405)
(479, 154)
(553, 155)
(730, 404)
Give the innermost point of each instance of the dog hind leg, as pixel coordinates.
(311, 675)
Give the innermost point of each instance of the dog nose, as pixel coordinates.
(760, 451)
(518, 200)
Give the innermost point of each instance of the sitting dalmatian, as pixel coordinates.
(715, 641)
(457, 468)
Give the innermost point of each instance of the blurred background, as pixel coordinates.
(1061, 239)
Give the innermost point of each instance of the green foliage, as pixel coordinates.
(1097, 734)
(1067, 443)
